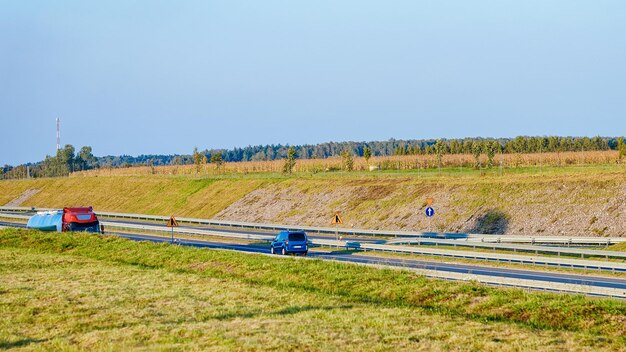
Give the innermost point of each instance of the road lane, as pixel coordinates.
(354, 257)
(249, 232)
(411, 263)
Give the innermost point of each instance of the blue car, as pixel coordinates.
(290, 242)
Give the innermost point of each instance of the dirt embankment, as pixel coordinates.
(578, 207)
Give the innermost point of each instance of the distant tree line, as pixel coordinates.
(63, 163)
(412, 147)
(67, 161)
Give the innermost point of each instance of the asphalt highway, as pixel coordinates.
(408, 263)
(354, 257)
(251, 232)
(12, 224)
(224, 229)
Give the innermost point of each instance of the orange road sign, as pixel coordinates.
(429, 201)
(336, 219)
(172, 222)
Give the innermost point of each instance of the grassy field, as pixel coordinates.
(79, 291)
(570, 201)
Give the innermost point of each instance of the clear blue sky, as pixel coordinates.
(144, 77)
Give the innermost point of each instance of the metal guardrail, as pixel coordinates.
(358, 232)
(564, 240)
(514, 282)
(160, 228)
(186, 231)
(404, 249)
(500, 257)
(536, 260)
(14, 216)
(513, 247)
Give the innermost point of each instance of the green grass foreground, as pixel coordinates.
(80, 291)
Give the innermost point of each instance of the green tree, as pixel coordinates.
(66, 157)
(456, 147)
(177, 160)
(491, 148)
(347, 160)
(216, 158)
(367, 154)
(621, 147)
(61, 164)
(198, 159)
(553, 144)
(415, 150)
(467, 146)
(290, 161)
(476, 151)
(401, 150)
(48, 166)
(85, 158)
(440, 150)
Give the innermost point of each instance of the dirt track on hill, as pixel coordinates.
(22, 198)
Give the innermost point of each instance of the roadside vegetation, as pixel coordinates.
(150, 195)
(70, 291)
(66, 161)
(618, 247)
(478, 153)
(569, 201)
(480, 164)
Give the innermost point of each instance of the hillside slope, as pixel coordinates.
(568, 202)
(572, 206)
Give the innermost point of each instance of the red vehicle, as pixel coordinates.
(68, 219)
(80, 219)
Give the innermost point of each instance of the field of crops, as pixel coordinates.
(399, 162)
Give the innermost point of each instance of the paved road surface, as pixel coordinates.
(352, 257)
(410, 263)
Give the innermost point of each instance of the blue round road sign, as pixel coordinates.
(430, 211)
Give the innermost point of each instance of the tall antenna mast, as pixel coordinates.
(58, 133)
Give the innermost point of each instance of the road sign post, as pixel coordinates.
(172, 223)
(429, 213)
(336, 221)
